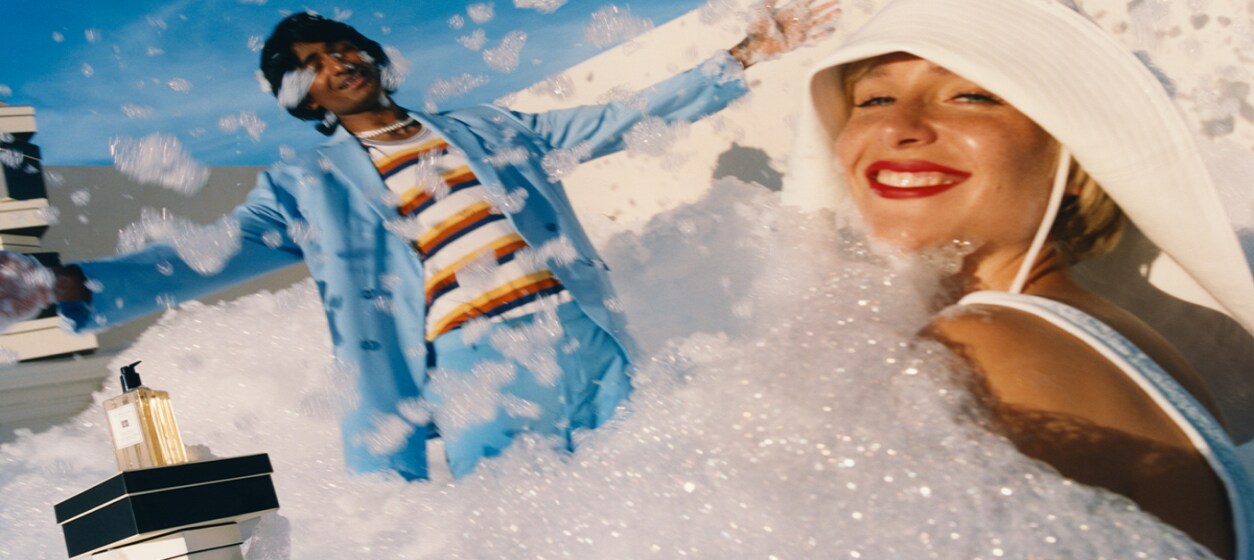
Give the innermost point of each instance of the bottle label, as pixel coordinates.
(126, 429)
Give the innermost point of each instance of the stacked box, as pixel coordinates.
(189, 510)
(24, 217)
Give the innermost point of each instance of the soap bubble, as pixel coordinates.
(397, 69)
(474, 41)
(469, 398)
(158, 159)
(533, 345)
(560, 162)
(481, 13)
(294, 87)
(8, 357)
(81, 197)
(508, 156)
(53, 179)
(389, 434)
(441, 90)
(509, 202)
(504, 57)
(654, 137)
(133, 111)
(559, 86)
(246, 120)
(715, 10)
(12, 159)
(206, 249)
(612, 24)
(542, 6)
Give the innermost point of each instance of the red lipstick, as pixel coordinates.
(953, 179)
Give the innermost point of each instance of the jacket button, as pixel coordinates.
(550, 226)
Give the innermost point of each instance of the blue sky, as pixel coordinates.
(179, 66)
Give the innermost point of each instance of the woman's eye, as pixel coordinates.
(875, 101)
(977, 97)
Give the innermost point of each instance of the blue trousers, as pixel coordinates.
(590, 380)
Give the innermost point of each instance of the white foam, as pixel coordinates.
(294, 87)
(542, 6)
(559, 86)
(80, 197)
(504, 56)
(654, 137)
(815, 425)
(133, 111)
(397, 70)
(481, 13)
(560, 162)
(205, 248)
(246, 120)
(474, 41)
(613, 24)
(158, 159)
(444, 89)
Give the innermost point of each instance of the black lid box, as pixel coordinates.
(138, 505)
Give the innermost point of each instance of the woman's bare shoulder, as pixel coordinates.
(1062, 402)
(1026, 362)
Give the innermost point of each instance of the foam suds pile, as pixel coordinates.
(780, 411)
(784, 407)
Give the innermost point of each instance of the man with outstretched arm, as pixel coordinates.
(446, 273)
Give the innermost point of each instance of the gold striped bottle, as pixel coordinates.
(141, 423)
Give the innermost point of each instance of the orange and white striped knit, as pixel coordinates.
(474, 262)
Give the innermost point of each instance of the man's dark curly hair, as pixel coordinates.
(277, 58)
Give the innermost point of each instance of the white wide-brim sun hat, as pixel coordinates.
(1075, 81)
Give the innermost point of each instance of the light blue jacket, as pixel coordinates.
(335, 194)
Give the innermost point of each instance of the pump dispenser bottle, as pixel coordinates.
(141, 423)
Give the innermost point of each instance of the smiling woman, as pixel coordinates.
(953, 122)
(917, 131)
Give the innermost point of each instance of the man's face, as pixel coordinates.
(345, 82)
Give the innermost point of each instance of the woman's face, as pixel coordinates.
(931, 158)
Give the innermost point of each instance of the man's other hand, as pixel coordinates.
(775, 31)
(26, 287)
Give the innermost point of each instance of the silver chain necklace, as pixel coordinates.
(389, 128)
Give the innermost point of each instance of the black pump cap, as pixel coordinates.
(130, 378)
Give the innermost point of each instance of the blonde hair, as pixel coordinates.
(1089, 224)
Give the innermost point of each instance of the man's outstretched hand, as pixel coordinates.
(26, 287)
(775, 31)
